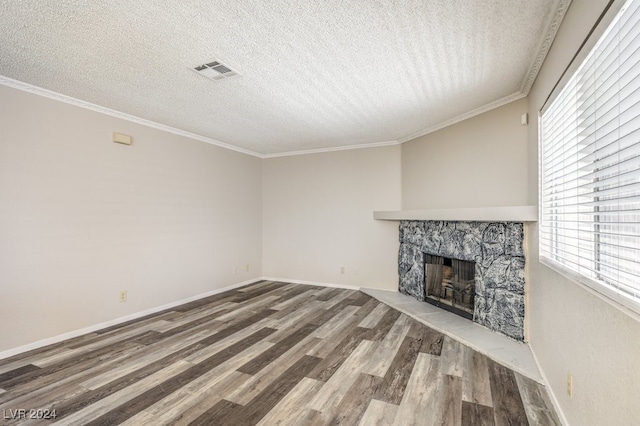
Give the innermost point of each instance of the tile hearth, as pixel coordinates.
(513, 354)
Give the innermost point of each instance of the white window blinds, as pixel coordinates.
(590, 166)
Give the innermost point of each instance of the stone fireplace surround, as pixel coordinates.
(497, 249)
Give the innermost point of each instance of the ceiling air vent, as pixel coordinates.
(215, 70)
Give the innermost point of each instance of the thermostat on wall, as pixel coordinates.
(121, 138)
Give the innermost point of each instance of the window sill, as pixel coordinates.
(626, 305)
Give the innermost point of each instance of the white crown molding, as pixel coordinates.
(19, 85)
(543, 48)
(25, 87)
(545, 44)
(465, 116)
(333, 149)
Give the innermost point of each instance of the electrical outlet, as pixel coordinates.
(342, 269)
(570, 385)
(123, 296)
(247, 267)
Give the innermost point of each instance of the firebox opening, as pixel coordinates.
(450, 284)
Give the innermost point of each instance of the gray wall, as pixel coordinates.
(479, 162)
(82, 218)
(571, 329)
(318, 217)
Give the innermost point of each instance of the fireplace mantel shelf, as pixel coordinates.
(476, 214)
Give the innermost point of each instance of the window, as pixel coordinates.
(590, 166)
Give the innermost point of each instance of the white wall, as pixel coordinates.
(571, 330)
(82, 218)
(318, 217)
(479, 162)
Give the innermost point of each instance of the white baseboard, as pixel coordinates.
(96, 327)
(288, 280)
(116, 321)
(552, 396)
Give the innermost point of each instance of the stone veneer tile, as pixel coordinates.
(497, 249)
(411, 270)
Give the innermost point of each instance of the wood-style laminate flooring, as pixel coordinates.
(269, 354)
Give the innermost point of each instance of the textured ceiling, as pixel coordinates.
(314, 75)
